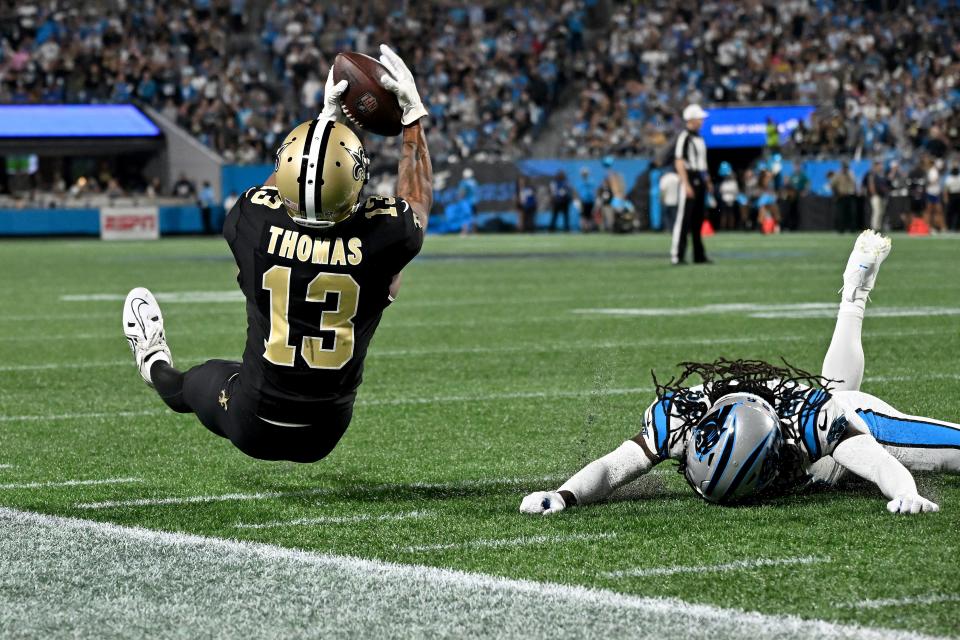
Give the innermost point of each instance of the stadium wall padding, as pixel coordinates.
(86, 222)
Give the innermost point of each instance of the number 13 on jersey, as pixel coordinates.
(336, 323)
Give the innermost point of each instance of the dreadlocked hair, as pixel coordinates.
(723, 376)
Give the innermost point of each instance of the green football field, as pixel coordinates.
(505, 365)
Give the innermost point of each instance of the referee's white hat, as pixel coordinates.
(694, 112)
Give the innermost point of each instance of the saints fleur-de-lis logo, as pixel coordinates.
(276, 163)
(360, 163)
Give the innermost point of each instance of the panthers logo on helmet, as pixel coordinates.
(707, 435)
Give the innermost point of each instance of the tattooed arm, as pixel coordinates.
(415, 174)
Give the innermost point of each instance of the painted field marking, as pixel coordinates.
(186, 572)
(350, 489)
(68, 483)
(737, 565)
(499, 543)
(521, 348)
(6, 466)
(756, 310)
(329, 520)
(935, 598)
(364, 402)
(82, 415)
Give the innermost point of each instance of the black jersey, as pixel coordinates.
(314, 297)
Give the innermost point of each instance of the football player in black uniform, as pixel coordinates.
(317, 266)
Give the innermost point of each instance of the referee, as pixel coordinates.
(690, 160)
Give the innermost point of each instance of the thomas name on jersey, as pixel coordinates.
(289, 244)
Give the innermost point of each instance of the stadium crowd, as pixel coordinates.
(491, 74)
(882, 80)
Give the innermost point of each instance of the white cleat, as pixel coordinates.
(860, 275)
(143, 327)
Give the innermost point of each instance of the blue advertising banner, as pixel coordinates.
(747, 126)
(75, 120)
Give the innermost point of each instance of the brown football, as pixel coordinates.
(366, 103)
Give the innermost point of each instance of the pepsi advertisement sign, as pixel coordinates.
(747, 126)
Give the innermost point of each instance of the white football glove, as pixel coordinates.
(911, 503)
(400, 81)
(545, 502)
(331, 97)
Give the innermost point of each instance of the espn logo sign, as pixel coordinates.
(129, 223)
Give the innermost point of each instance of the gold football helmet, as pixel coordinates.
(320, 170)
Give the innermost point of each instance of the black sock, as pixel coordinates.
(169, 384)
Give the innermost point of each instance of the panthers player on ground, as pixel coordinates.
(754, 427)
(317, 266)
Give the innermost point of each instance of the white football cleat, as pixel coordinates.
(860, 275)
(143, 327)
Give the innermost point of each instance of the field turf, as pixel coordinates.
(493, 375)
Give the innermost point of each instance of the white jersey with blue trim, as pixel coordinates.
(810, 419)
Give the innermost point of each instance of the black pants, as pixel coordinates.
(561, 208)
(690, 212)
(215, 392)
(953, 212)
(846, 214)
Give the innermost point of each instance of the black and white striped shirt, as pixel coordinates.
(692, 150)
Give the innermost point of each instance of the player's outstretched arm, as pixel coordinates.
(415, 174)
(864, 456)
(594, 482)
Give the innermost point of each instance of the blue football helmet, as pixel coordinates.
(734, 451)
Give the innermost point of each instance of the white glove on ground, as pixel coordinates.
(911, 503)
(545, 502)
(331, 97)
(400, 81)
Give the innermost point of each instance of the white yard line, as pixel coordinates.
(68, 483)
(181, 585)
(6, 466)
(737, 565)
(517, 348)
(270, 495)
(331, 520)
(510, 542)
(80, 415)
(908, 601)
(363, 402)
(756, 310)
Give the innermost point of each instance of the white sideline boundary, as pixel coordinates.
(934, 598)
(499, 543)
(183, 585)
(331, 520)
(736, 565)
(270, 495)
(52, 484)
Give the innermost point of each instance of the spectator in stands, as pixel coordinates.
(468, 190)
(561, 198)
(917, 192)
(844, 189)
(526, 204)
(207, 202)
(797, 187)
(669, 197)
(229, 201)
(587, 193)
(933, 215)
(183, 188)
(951, 192)
(613, 195)
(876, 189)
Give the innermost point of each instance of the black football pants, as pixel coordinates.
(214, 391)
(690, 213)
